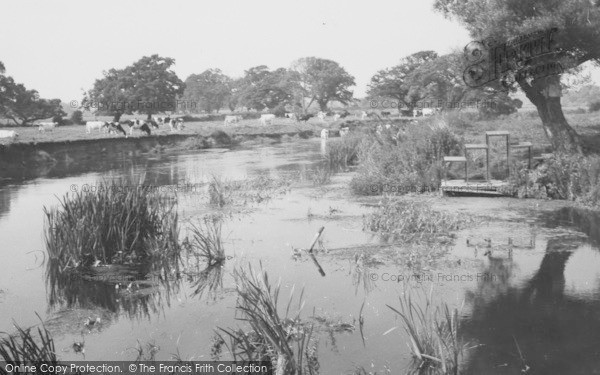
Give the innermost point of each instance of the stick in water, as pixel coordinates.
(316, 239)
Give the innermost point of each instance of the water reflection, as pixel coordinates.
(535, 326)
(138, 291)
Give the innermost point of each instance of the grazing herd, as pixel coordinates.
(144, 126)
(129, 127)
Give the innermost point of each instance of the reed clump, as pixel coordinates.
(433, 331)
(285, 341)
(115, 224)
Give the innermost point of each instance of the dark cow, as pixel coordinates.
(115, 127)
(385, 113)
(305, 118)
(137, 124)
(344, 114)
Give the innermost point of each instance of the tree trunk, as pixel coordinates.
(562, 136)
(323, 105)
(545, 95)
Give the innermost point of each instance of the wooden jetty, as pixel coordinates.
(487, 186)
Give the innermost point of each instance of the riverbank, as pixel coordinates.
(21, 161)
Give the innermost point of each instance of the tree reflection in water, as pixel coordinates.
(535, 325)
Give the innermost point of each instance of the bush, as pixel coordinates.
(572, 177)
(343, 152)
(594, 106)
(502, 105)
(77, 117)
(410, 163)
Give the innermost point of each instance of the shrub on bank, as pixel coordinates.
(572, 177)
(408, 161)
(343, 152)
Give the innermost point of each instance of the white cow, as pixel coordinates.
(267, 119)
(324, 133)
(344, 131)
(363, 115)
(428, 111)
(8, 134)
(322, 115)
(336, 117)
(91, 125)
(46, 126)
(232, 119)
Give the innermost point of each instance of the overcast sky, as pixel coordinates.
(61, 47)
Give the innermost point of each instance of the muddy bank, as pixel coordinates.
(24, 161)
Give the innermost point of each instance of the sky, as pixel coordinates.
(60, 47)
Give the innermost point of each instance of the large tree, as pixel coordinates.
(207, 91)
(261, 88)
(441, 81)
(147, 86)
(321, 80)
(576, 41)
(399, 83)
(23, 106)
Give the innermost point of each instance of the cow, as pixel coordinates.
(428, 111)
(385, 113)
(91, 125)
(232, 120)
(8, 134)
(324, 134)
(267, 119)
(180, 125)
(46, 126)
(306, 117)
(137, 125)
(115, 127)
(344, 131)
(417, 112)
(321, 115)
(363, 115)
(336, 117)
(291, 116)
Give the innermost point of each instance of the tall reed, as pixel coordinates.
(287, 342)
(23, 347)
(114, 224)
(433, 331)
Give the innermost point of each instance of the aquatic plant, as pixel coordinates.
(401, 161)
(320, 176)
(206, 241)
(433, 331)
(343, 152)
(411, 221)
(287, 342)
(250, 190)
(24, 347)
(116, 223)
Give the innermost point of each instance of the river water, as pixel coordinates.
(534, 307)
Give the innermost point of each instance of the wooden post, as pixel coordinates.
(487, 159)
(316, 239)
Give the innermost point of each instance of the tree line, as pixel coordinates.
(145, 86)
